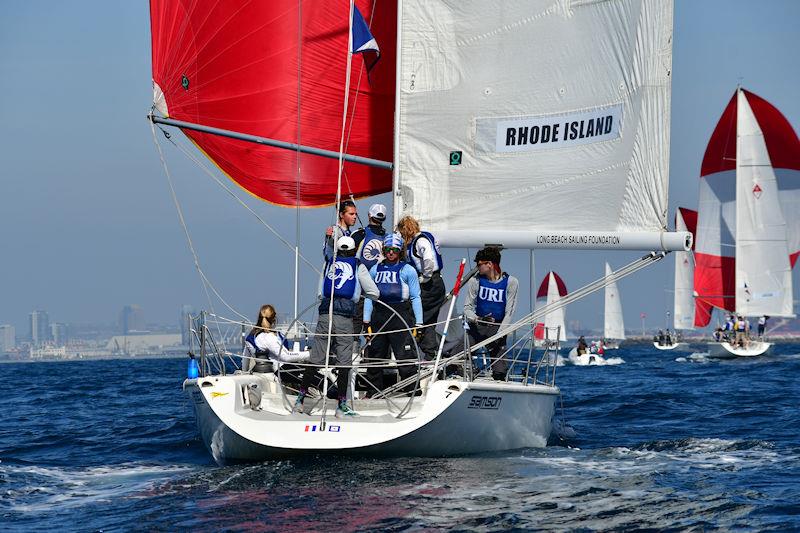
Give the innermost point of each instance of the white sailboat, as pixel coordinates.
(491, 144)
(553, 328)
(613, 322)
(741, 203)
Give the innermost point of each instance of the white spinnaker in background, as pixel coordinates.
(763, 272)
(613, 324)
(462, 78)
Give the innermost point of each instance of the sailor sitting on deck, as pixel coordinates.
(340, 289)
(262, 346)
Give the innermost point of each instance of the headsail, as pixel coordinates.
(277, 69)
(763, 271)
(613, 323)
(683, 315)
(767, 135)
(550, 291)
(537, 138)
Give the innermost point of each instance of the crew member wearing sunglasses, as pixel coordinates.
(489, 306)
(399, 289)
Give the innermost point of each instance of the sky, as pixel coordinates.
(87, 223)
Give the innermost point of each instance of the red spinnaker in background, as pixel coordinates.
(715, 262)
(269, 69)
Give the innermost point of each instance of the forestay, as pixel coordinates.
(547, 119)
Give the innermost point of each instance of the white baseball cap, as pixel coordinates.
(345, 243)
(377, 211)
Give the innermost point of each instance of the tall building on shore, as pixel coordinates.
(8, 338)
(39, 323)
(131, 319)
(186, 312)
(58, 333)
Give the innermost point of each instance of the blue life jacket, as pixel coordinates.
(416, 260)
(327, 246)
(342, 281)
(371, 250)
(251, 340)
(387, 277)
(492, 297)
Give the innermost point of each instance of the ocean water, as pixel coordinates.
(667, 441)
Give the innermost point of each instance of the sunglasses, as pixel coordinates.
(391, 249)
(481, 263)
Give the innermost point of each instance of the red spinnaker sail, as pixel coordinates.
(276, 69)
(715, 262)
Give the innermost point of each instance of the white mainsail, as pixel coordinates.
(489, 128)
(683, 315)
(763, 271)
(613, 324)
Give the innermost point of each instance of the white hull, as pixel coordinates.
(586, 359)
(455, 417)
(673, 346)
(724, 350)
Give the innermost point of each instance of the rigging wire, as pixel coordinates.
(206, 282)
(241, 202)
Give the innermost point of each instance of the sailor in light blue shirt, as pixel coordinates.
(398, 283)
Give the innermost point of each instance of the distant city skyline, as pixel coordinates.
(83, 180)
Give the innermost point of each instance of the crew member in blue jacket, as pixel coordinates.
(422, 252)
(343, 281)
(490, 304)
(369, 243)
(398, 284)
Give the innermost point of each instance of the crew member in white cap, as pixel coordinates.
(369, 240)
(342, 281)
(369, 243)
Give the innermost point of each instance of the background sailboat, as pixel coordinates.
(551, 290)
(613, 322)
(747, 233)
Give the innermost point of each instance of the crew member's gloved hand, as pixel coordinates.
(415, 332)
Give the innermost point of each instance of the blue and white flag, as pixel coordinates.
(362, 39)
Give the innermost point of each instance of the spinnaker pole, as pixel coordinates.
(271, 142)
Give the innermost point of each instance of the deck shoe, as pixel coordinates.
(344, 410)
